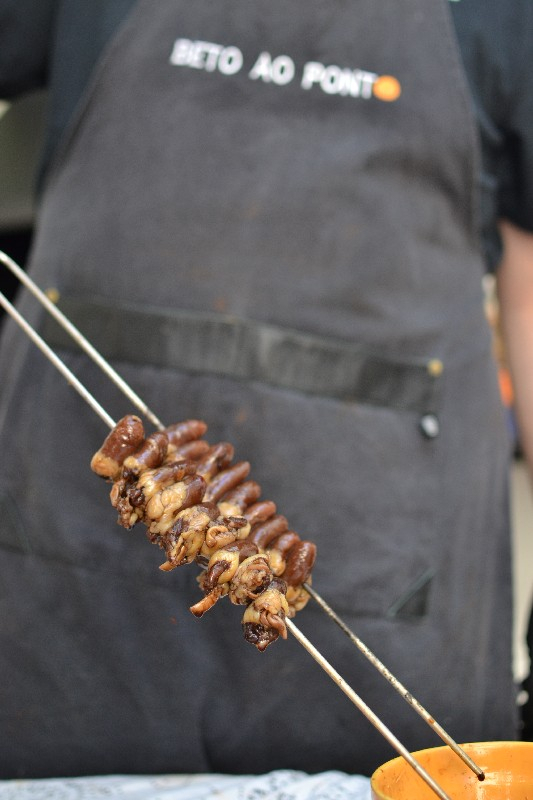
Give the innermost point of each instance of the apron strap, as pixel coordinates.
(245, 349)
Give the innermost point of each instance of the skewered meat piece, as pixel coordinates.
(242, 566)
(197, 536)
(124, 439)
(252, 578)
(152, 481)
(130, 494)
(240, 498)
(289, 557)
(190, 451)
(184, 540)
(300, 560)
(151, 453)
(163, 508)
(299, 563)
(297, 597)
(222, 566)
(277, 551)
(265, 532)
(209, 600)
(226, 480)
(223, 533)
(121, 496)
(183, 432)
(217, 458)
(232, 572)
(264, 619)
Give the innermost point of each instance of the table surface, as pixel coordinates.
(278, 785)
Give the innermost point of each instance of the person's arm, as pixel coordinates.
(25, 27)
(515, 296)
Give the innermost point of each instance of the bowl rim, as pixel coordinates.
(468, 747)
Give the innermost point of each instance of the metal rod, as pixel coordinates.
(56, 361)
(396, 684)
(80, 339)
(143, 408)
(139, 403)
(348, 691)
(364, 709)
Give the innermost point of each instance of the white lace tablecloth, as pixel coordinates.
(278, 785)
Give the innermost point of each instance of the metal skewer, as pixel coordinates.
(56, 361)
(395, 683)
(137, 401)
(364, 709)
(79, 338)
(299, 636)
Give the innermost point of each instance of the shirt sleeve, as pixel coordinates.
(496, 44)
(25, 30)
(516, 166)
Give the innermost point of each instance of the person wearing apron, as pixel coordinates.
(265, 217)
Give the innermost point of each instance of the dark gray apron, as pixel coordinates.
(259, 232)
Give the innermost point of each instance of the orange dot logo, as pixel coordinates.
(387, 88)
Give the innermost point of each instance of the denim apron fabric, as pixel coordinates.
(264, 215)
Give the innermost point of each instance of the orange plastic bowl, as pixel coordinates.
(508, 768)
